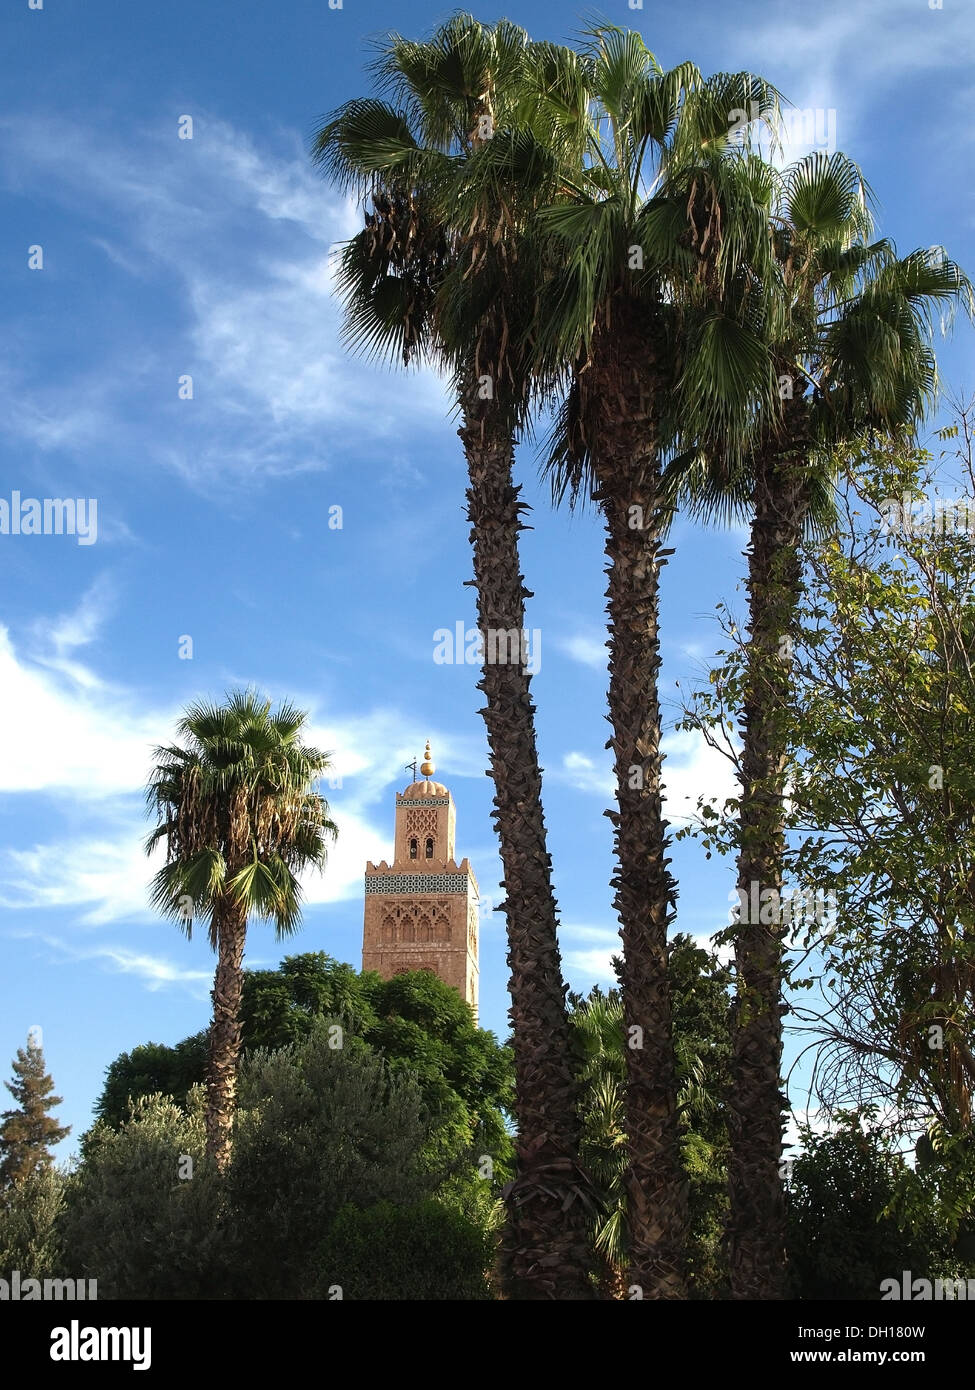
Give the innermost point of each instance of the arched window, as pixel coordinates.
(429, 847)
(414, 848)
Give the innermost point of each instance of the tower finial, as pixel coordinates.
(427, 767)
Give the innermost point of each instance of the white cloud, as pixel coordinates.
(705, 942)
(64, 730)
(890, 39)
(590, 963)
(587, 650)
(152, 970)
(581, 772)
(817, 1120)
(691, 769)
(107, 878)
(591, 959)
(593, 966)
(81, 741)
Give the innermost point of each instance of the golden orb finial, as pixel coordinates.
(427, 767)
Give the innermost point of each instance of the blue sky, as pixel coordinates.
(208, 257)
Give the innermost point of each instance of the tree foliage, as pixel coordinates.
(28, 1130)
(702, 1011)
(141, 1211)
(324, 1126)
(416, 1022)
(419, 1252)
(844, 1234)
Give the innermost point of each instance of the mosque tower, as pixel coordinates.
(421, 910)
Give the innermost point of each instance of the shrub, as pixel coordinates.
(134, 1218)
(318, 1127)
(29, 1235)
(424, 1251)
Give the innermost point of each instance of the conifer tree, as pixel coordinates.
(26, 1132)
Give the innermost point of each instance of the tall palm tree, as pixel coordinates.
(240, 821)
(642, 250)
(436, 275)
(848, 339)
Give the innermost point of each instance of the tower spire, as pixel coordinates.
(428, 767)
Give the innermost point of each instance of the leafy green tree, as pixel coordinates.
(411, 291)
(27, 1131)
(883, 749)
(416, 1022)
(141, 1211)
(152, 1069)
(239, 822)
(281, 1006)
(320, 1126)
(424, 1030)
(844, 1239)
(878, 738)
(30, 1233)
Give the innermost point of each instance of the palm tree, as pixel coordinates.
(237, 814)
(643, 300)
(848, 339)
(436, 275)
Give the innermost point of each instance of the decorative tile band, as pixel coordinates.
(423, 801)
(416, 883)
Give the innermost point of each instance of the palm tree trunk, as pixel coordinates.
(655, 1184)
(756, 1231)
(546, 1246)
(620, 391)
(228, 987)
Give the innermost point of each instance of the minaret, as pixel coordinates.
(421, 910)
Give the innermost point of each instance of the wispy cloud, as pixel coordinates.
(890, 40)
(153, 971)
(65, 730)
(240, 236)
(723, 952)
(692, 769)
(102, 880)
